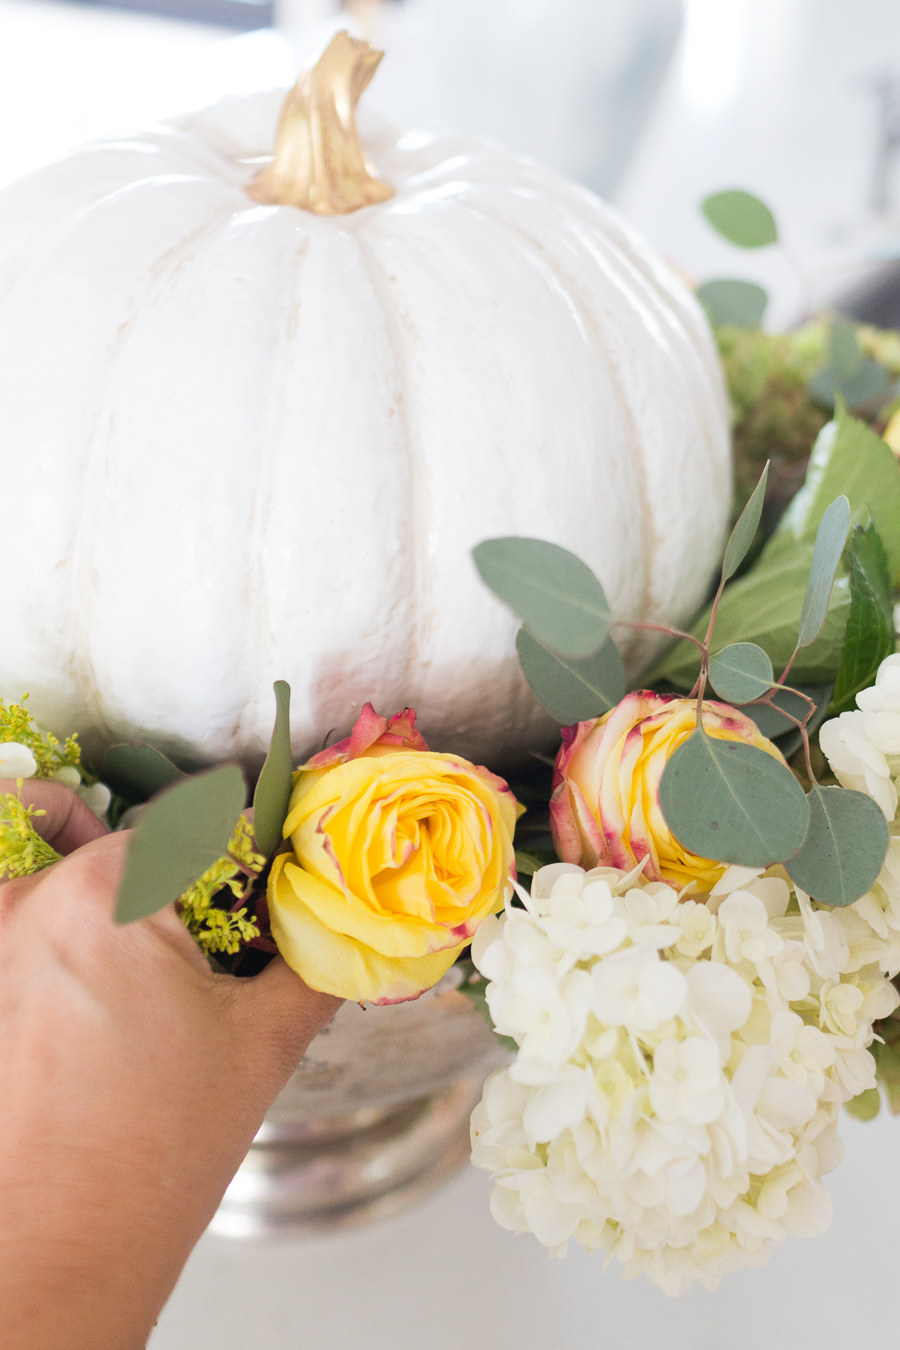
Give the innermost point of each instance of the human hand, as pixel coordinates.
(134, 1079)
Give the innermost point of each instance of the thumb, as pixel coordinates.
(286, 1010)
(62, 818)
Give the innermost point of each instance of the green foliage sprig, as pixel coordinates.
(22, 850)
(764, 605)
(194, 845)
(728, 800)
(214, 927)
(17, 724)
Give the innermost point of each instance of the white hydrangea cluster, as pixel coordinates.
(682, 1061)
(863, 747)
(18, 761)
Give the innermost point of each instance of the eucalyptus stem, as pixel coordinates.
(801, 276)
(787, 670)
(801, 725)
(657, 628)
(712, 614)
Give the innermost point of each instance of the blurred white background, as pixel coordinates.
(797, 100)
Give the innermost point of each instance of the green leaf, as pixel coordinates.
(865, 1105)
(741, 672)
(830, 540)
(136, 771)
(474, 988)
(182, 833)
(741, 218)
(764, 607)
(554, 593)
(869, 383)
(887, 1059)
(571, 690)
(848, 458)
(770, 721)
(740, 304)
(849, 374)
(844, 847)
(844, 352)
(729, 801)
(273, 788)
(870, 628)
(527, 864)
(744, 532)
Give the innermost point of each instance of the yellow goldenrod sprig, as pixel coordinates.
(17, 724)
(213, 928)
(22, 850)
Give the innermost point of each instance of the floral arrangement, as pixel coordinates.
(690, 955)
(681, 1063)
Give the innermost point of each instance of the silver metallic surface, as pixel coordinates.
(375, 1116)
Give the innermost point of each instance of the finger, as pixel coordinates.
(287, 1008)
(88, 880)
(89, 876)
(67, 822)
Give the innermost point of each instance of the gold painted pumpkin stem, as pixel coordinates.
(318, 164)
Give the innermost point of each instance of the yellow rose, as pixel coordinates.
(605, 806)
(398, 853)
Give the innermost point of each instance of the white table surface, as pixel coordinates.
(443, 1276)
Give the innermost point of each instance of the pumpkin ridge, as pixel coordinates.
(259, 610)
(621, 250)
(599, 334)
(82, 588)
(415, 458)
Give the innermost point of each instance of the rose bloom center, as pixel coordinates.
(414, 852)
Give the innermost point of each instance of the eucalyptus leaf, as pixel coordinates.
(727, 300)
(844, 847)
(868, 383)
(572, 690)
(764, 607)
(729, 801)
(830, 540)
(273, 788)
(844, 352)
(744, 532)
(848, 458)
(136, 771)
(741, 673)
(181, 833)
(870, 627)
(554, 593)
(741, 218)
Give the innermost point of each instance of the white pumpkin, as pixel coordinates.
(245, 442)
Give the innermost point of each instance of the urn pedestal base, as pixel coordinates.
(375, 1116)
(353, 1170)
